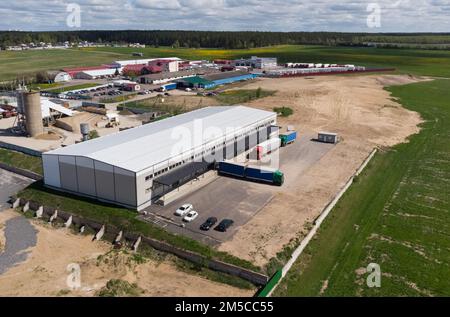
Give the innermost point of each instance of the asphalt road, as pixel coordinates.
(20, 235)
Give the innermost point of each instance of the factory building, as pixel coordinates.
(136, 167)
(257, 62)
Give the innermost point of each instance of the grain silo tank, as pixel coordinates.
(20, 107)
(33, 113)
(85, 129)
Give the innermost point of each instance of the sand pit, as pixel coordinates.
(44, 273)
(356, 107)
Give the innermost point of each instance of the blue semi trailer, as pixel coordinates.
(288, 138)
(274, 177)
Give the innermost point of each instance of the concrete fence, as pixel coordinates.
(21, 149)
(248, 275)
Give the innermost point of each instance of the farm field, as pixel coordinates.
(395, 215)
(417, 62)
(13, 64)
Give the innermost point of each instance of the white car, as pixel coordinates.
(191, 216)
(183, 210)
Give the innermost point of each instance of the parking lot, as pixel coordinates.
(238, 200)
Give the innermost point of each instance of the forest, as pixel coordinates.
(226, 40)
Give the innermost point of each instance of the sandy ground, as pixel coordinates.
(45, 273)
(362, 113)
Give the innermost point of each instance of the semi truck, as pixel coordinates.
(267, 147)
(288, 138)
(260, 174)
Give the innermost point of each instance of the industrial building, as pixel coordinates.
(229, 77)
(122, 64)
(195, 82)
(96, 74)
(305, 69)
(257, 62)
(136, 167)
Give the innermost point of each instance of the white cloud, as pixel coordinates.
(265, 15)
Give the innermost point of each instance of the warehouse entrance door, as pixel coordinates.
(178, 177)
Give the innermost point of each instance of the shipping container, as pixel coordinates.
(288, 138)
(267, 147)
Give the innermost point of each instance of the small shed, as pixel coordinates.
(328, 137)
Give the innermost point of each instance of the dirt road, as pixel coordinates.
(365, 116)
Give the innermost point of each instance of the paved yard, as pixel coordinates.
(228, 198)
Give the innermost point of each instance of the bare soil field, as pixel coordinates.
(365, 116)
(45, 272)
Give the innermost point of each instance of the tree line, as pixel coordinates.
(226, 40)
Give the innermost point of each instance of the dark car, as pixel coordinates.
(224, 225)
(208, 224)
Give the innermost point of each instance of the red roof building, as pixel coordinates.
(151, 70)
(135, 69)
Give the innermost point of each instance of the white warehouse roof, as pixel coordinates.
(143, 61)
(140, 148)
(100, 72)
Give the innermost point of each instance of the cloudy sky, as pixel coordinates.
(261, 15)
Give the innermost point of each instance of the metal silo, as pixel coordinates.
(85, 129)
(33, 113)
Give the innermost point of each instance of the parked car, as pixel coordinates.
(224, 225)
(191, 216)
(208, 224)
(183, 210)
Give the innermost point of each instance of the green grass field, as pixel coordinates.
(423, 62)
(396, 215)
(74, 87)
(14, 64)
(21, 160)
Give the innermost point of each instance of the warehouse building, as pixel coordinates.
(195, 82)
(229, 77)
(96, 74)
(122, 64)
(257, 62)
(136, 167)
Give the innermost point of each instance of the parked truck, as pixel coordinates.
(288, 138)
(260, 174)
(267, 147)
